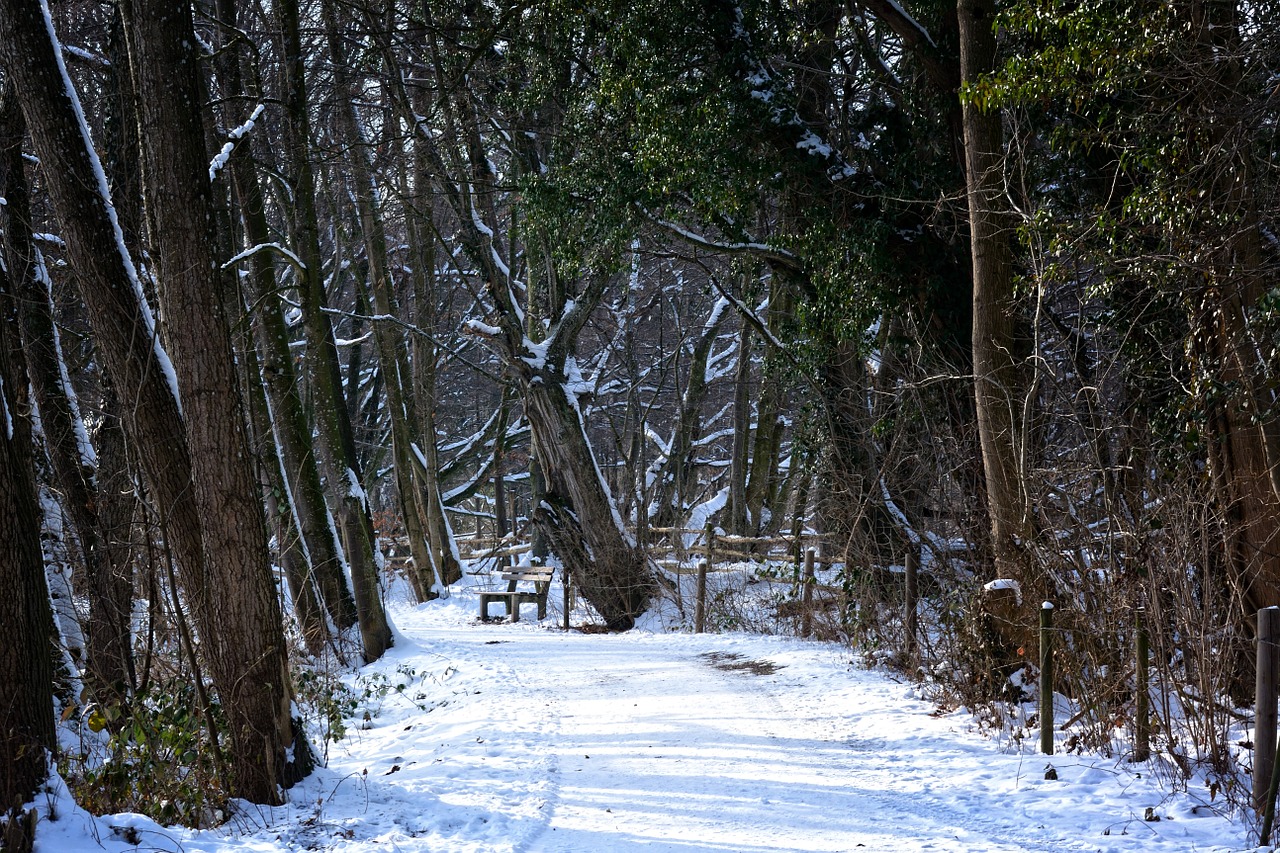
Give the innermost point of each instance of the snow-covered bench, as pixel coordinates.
(514, 596)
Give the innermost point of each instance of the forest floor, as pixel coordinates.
(521, 737)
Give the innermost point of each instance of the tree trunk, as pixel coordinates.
(997, 389)
(291, 432)
(388, 340)
(26, 668)
(121, 320)
(736, 515)
(762, 474)
(105, 582)
(336, 441)
(295, 558)
(578, 515)
(238, 618)
(676, 477)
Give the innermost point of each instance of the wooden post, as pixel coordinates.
(710, 536)
(806, 596)
(564, 584)
(911, 597)
(1142, 697)
(1264, 733)
(700, 613)
(1046, 678)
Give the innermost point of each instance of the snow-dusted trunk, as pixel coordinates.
(336, 443)
(104, 581)
(762, 474)
(577, 513)
(736, 510)
(287, 417)
(676, 477)
(293, 554)
(26, 670)
(389, 341)
(238, 617)
(121, 320)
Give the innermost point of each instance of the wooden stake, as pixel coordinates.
(911, 596)
(1264, 733)
(1142, 698)
(806, 595)
(1046, 678)
(700, 614)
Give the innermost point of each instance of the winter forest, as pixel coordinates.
(979, 300)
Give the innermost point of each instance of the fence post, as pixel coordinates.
(564, 583)
(806, 595)
(911, 596)
(700, 612)
(1046, 678)
(1264, 732)
(1142, 697)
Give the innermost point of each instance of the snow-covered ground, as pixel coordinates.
(518, 737)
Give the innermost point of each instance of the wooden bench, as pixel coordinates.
(541, 580)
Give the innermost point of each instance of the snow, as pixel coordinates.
(4, 409)
(1005, 583)
(224, 154)
(521, 737)
(287, 253)
(913, 23)
(88, 456)
(482, 328)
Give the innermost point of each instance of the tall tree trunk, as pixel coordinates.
(109, 286)
(336, 441)
(388, 340)
(291, 432)
(675, 479)
(996, 368)
(762, 475)
(739, 460)
(281, 506)
(105, 582)
(578, 514)
(239, 619)
(26, 666)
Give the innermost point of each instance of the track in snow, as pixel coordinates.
(640, 742)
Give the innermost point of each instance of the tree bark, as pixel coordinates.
(108, 283)
(239, 618)
(289, 427)
(103, 580)
(996, 368)
(26, 668)
(336, 442)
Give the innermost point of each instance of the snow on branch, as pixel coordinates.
(762, 250)
(221, 158)
(416, 330)
(900, 20)
(88, 57)
(268, 247)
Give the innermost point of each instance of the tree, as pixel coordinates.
(230, 591)
(26, 669)
(996, 361)
(237, 608)
(335, 437)
(105, 576)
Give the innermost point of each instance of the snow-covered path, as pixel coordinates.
(517, 737)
